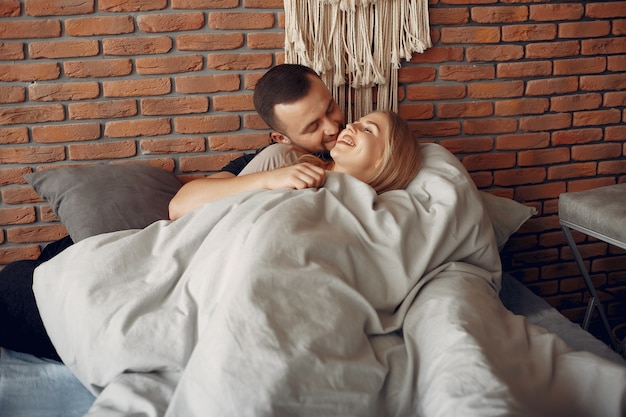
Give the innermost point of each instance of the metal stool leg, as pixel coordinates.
(594, 301)
(589, 312)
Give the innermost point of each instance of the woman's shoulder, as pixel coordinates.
(273, 156)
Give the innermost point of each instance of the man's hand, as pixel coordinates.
(298, 177)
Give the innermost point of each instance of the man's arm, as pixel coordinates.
(186, 199)
(203, 190)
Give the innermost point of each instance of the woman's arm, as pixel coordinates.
(198, 192)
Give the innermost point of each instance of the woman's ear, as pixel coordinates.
(280, 138)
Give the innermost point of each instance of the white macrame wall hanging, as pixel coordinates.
(356, 43)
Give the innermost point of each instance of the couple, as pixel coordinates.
(378, 149)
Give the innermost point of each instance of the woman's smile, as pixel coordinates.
(345, 140)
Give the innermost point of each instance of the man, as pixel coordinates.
(296, 104)
(291, 99)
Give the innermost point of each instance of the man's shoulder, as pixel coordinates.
(271, 157)
(238, 164)
(274, 149)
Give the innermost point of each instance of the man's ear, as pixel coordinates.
(280, 138)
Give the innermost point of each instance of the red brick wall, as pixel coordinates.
(529, 95)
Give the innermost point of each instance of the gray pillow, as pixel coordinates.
(97, 199)
(506, 215)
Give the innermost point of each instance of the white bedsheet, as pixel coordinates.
(332, 302)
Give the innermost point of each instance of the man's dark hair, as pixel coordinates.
(285, 83)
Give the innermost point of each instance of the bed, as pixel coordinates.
(356, 304)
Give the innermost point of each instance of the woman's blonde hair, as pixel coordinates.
(401, 159)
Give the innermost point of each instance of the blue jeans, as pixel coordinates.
(34, 387)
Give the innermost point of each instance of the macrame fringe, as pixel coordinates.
(356, 46)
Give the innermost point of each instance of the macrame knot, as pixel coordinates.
(357, 43)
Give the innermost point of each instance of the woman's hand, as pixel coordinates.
(298, 177)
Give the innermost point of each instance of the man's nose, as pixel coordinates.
(330, 127)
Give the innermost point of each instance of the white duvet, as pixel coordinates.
(329, 302)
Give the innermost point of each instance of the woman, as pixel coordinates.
(378, 149)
